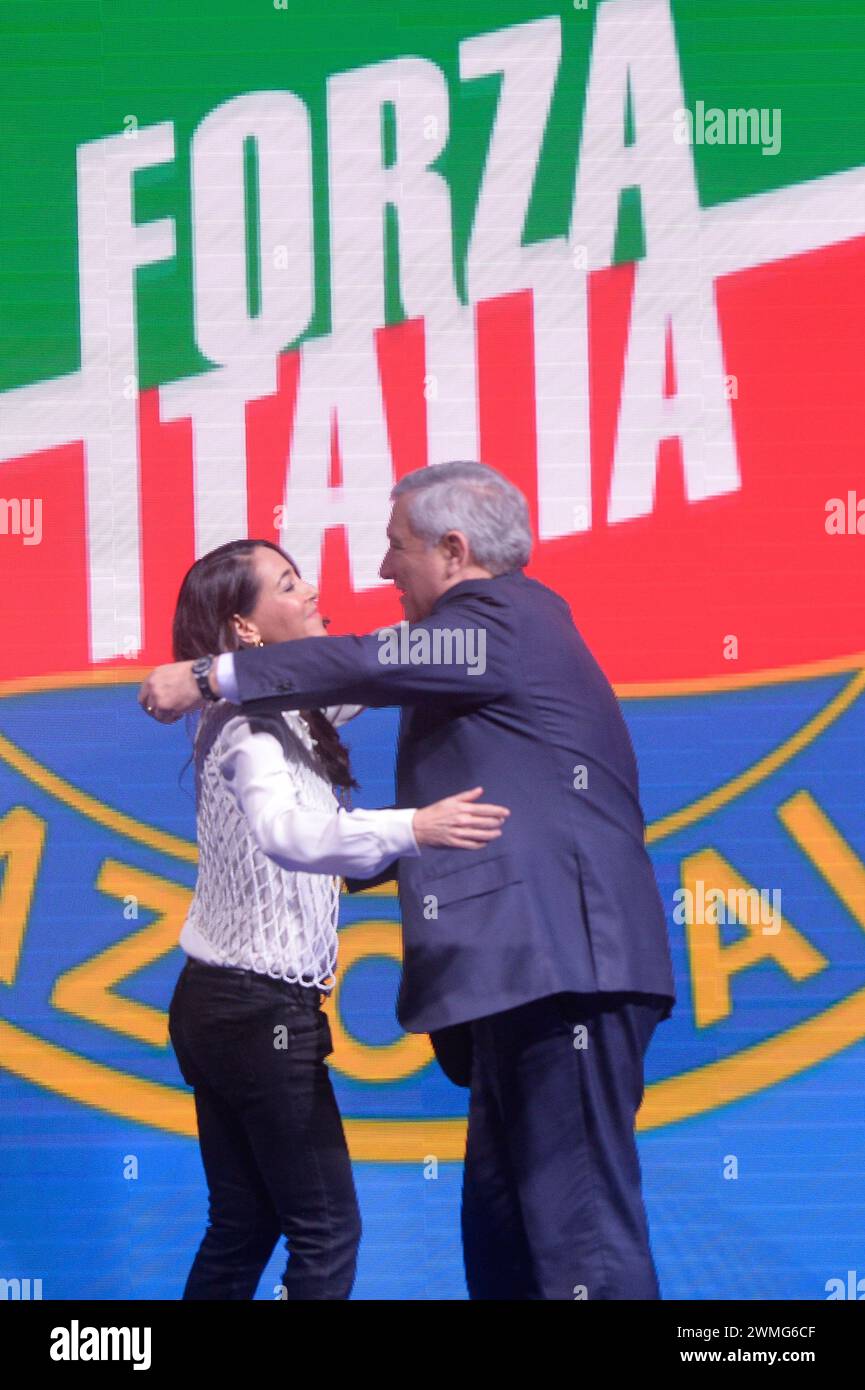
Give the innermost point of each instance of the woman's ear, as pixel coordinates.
(247, 632)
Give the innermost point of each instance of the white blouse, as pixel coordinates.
(272, 844)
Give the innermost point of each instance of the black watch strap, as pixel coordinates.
(200, 670)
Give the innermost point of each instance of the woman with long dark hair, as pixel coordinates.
(261, 942)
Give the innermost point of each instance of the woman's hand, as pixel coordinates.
(459, 822)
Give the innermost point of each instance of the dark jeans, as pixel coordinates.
(271, 1137)
(552, 1201)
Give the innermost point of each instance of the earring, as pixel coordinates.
(259, 643)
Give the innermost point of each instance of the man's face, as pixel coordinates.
(420, 572)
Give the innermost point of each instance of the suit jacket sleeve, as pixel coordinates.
(318, 672)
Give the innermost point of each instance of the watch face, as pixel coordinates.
(200, 669)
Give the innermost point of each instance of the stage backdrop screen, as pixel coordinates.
(258, 262)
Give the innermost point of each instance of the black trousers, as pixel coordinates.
(270, 1132)
(552, 1202)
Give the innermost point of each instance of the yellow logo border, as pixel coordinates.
(401, 1141)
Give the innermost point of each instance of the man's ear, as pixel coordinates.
(456, 549)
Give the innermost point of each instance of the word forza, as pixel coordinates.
(256, 261)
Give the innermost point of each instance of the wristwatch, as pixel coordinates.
(200, 668)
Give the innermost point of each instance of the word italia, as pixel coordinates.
(76, 1343)
(438, 646)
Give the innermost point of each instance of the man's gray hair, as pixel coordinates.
(492, 514)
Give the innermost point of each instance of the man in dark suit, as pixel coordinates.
(539, 964)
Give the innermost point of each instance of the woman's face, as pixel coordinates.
(287, 606)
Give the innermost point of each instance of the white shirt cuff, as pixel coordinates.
(393, 828)
(403, 818)
(226, 679)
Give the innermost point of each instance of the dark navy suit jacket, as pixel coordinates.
(565, 899)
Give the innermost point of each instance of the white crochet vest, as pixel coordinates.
(246, 910)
